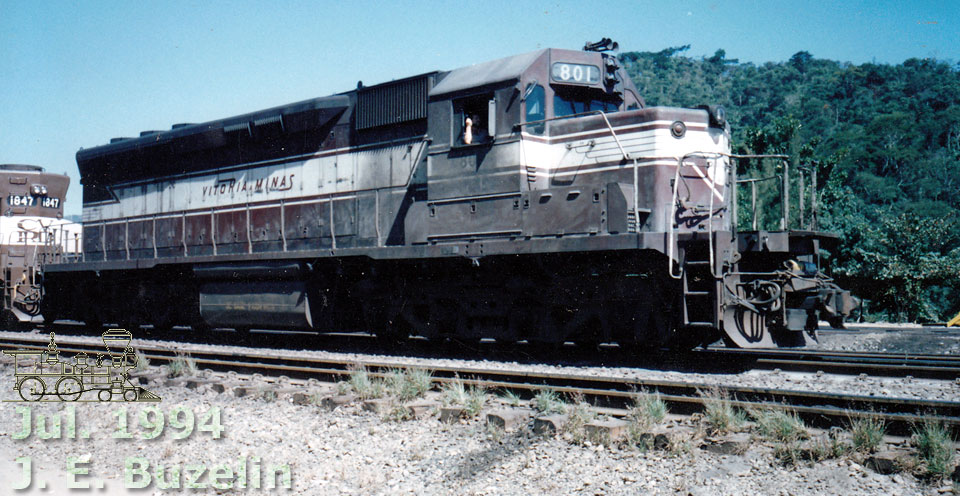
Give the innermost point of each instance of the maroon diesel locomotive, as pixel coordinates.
(535, 197)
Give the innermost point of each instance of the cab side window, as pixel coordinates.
(470, 120)
(535, 110)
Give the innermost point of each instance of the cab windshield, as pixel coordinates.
(576, 100)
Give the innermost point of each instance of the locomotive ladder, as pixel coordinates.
(672, 228)
(697, 266)
(699, 286)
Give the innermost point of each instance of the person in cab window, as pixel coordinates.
(474, 131)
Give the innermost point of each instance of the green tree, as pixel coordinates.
(884, 139)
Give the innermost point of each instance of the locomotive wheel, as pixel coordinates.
(69, 389)
(32, 389)
(104, 395)
(744, 328)
(130, 395)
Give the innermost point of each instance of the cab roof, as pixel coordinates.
(486, 73)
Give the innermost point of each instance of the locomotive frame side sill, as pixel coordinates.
(474, 235)
(793, 241)
(653, 241)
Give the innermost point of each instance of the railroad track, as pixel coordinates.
(712, 359)
(843, 362)
(611, 393)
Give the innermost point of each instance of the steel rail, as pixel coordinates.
(846, 362)
(901, 414)
(842, 362)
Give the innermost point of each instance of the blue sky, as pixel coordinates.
(75, 74)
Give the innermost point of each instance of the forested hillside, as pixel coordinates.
(885, 141)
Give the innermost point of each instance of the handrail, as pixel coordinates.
(416, 164)
(753, 195)
(808, 172)
(672, 232)
(713, 195)
(671, 228)
(333, 230)
(759, 179)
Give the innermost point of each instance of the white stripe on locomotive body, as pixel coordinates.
(33, 231)
(545, 162)
(340, 174)
(335, 175)
(651, 143)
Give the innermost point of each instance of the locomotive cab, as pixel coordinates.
(488, 188)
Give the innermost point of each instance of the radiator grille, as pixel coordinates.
(393, 103)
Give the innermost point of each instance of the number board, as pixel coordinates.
(29, 201)
(575, 73)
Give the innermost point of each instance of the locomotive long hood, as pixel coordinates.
(263, 135)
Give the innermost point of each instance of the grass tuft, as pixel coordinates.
(578, 416)
(398, 413)
(548, 401)
(408, 384)
(476, 399)
(934, 447)
(785, 430)
(648, 409)
(721, 416)
(183, 365)
(143, 363)
(867, 433)
(365, 386)
(472, 398)
(789, 453)
(779, 425)
(827, 447)
(510, 398)
(494, 433)
(453, 393)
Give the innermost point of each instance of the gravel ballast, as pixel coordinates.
(352, 451)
